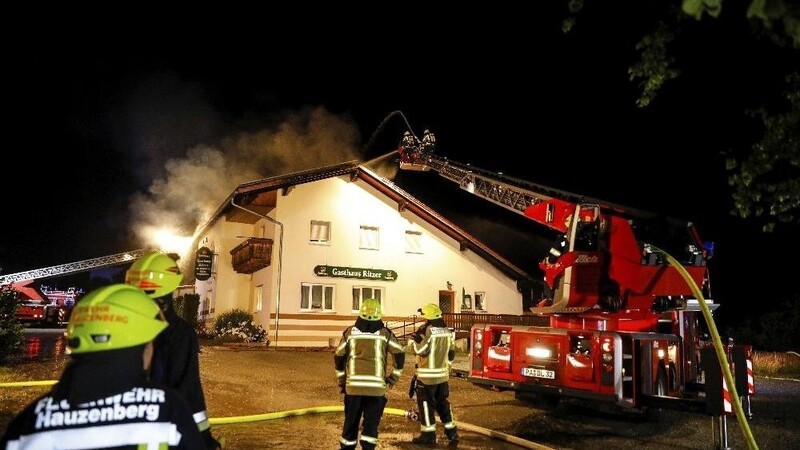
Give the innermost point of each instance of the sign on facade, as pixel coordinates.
(355, 272)
(203, 260)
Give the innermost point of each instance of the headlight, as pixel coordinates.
(478, 345)
(607, 357)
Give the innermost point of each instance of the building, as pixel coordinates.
(301, 251)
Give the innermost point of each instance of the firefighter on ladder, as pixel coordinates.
(560, 246)
(434, 347)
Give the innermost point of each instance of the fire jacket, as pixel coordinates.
(362, 356)
(176, 364)
(145, 416)
(435, 354)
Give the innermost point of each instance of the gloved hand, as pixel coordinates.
(417, 337)
(389, 382)
(342, 388)
(412, 388)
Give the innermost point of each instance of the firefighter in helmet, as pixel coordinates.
(176, 360)
(428, 142)
(363, 370)
(434, 348)
(409, 151)
(106, 374)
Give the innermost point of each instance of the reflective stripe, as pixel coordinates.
(200, 416)
(345, 442)
(201, 419)
(370, 439)
(147, 435)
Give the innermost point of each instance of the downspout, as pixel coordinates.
(280, 262)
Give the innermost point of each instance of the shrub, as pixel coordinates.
(10, 329)
(187, 306)
(237, 325)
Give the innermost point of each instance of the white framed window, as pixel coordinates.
(258, 297)
(369, 238)
(466, 302)
(361, 293)
(320, 232)
(316, 297)
(480, 301)
(413, 241)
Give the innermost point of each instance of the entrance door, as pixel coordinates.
(447, 301)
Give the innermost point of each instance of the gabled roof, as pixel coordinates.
(252, 200)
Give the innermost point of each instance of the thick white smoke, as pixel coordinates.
(196, 185)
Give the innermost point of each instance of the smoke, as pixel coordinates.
(195, 186)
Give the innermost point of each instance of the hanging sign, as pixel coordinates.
(355, 272)
(203, 260)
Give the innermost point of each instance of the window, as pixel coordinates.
(368, 238)
(316, 297)
(320, 232)
(361, 293)
(480, 301)
(466, 302)
(258, 297)
(413, 241)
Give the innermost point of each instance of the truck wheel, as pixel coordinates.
(610, 302)
(610, 298)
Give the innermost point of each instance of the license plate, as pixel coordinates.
(538, 373)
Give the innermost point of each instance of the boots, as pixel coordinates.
(452, 436)
(425, 438)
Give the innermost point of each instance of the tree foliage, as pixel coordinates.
(766, 181)
(764, 177)
(11, 337)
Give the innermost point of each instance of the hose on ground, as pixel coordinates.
(394, 411)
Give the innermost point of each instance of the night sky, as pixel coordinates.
(110, 131)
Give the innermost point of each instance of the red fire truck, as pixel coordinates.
(623, 322)
(52, 307)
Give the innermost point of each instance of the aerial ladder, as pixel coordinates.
(612, 261)
(72, 268)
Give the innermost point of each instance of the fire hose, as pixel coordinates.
(326, 409)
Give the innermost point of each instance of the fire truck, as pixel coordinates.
(52, 310)
(55, 308)
(623, 322)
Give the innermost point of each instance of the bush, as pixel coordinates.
(10, 329)
(237, 325)
(187, 306)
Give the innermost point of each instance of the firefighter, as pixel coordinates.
(363, 372)
(409, 152)
(103, 398)
(435, 351)
(559, 247)
(176, 360)
(428, 142)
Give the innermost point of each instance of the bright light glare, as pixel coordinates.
(169, 241)
(538, 352)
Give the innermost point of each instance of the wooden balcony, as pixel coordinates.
(252, 255)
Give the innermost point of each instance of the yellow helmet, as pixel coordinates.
(431, 311)
(370, 310)
(111, 318)
(155, 273)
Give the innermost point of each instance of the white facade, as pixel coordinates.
(367, 230)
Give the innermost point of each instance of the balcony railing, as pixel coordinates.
(252, 255)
